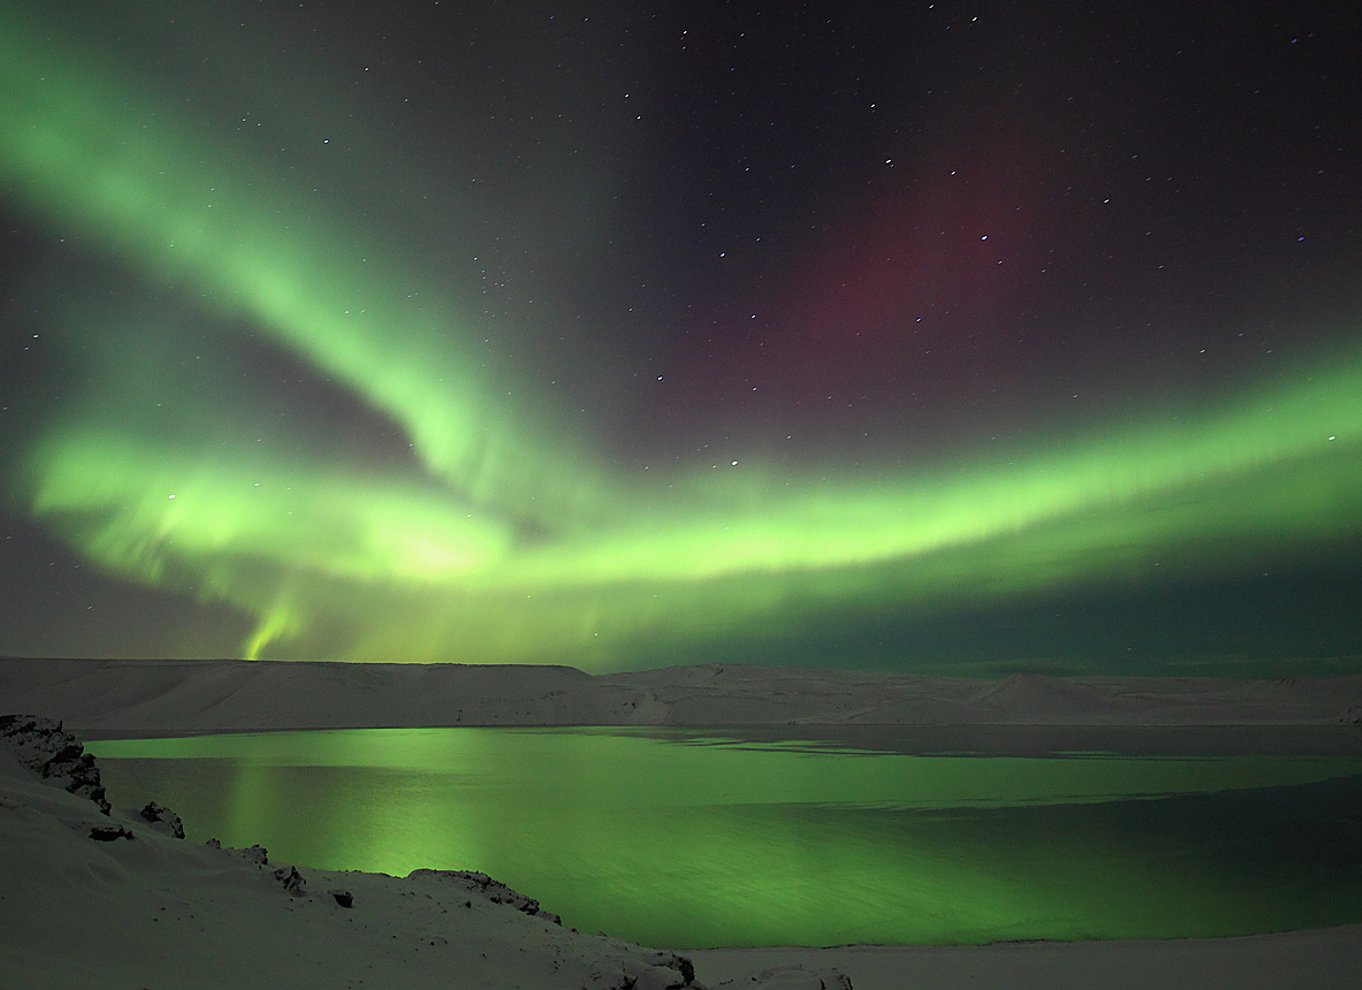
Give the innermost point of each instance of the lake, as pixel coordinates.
(735, 837)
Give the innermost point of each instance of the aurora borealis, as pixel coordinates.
(926, 335)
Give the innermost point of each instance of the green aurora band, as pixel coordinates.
(509, 540)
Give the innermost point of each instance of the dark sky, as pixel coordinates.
(904, 336)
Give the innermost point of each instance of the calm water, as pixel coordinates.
(688, 839)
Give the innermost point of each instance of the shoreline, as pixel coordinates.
(984, 739)
(142, 697)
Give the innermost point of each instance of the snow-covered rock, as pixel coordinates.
(163, 819)
(42, 746)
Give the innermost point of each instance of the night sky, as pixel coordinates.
(905, 336)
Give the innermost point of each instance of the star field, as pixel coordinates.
(925, 336)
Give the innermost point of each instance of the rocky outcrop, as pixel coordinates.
(799, 978)
(42, 746)
(643, 970)
(493, 890)
(256, 854)
(163, 819)
(291, 880)
(108, 833)
(666, 971)
(627, 967)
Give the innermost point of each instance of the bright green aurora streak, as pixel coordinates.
(513, 542)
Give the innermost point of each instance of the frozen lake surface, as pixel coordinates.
(733, 838)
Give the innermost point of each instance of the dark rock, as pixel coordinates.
(108, 833)
(164, 818)
(291, 880)
(493, 890)
(799, 978)
(255, 854)
(343, 897)
(42, 746)
(666, 971)
(657, 971)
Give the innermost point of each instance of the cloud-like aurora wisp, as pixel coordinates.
(518, 543)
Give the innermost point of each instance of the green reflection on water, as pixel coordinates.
(684, 838)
